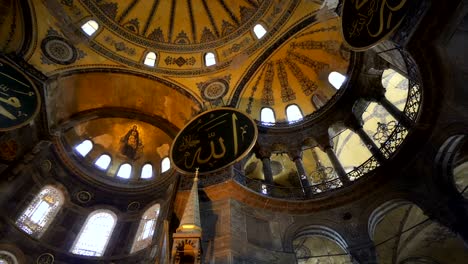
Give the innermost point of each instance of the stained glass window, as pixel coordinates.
(165, 164)
(210, 59)
(146, 228)
(95, 233)
(90, 27)
(259, 31)
(293, 113)
(41, 211)
(147, 171)
(84, 147)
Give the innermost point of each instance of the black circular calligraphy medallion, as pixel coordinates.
(367, 22)
(19, 98)
(213, 140)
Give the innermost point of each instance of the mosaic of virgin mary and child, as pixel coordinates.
(131, 145)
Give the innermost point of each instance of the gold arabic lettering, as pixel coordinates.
(213, 154)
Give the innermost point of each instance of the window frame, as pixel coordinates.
(153, 174)
(263, 27)
(155, 59)
(83, 228)
(300, 111)
(95, 29)
(118, 170)
(274, 115)
(108, 166)
(92, 146)
(214, 58)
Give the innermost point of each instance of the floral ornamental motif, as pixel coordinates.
(383, 131)
(45, 258)
(325, 175)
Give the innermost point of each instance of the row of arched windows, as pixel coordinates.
(91, 26)
(293, 112)
(97, 229)
(125, 170)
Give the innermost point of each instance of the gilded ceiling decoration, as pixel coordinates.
(125, 140)
(180, 32)
(297, 71)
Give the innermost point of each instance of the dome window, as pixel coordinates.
(293, 113)
(125, 171)
(267, 115)
(90, 27)
(84, 147)
(165, 164)
(147, 171)
(210, 59)
(259, 31)
(150, 59)
(336, 79)
(103, 161)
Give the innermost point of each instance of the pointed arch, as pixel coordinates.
(95, 233)
(40, 213)
(144, 234)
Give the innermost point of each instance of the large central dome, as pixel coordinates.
(179, 24)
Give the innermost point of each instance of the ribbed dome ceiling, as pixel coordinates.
(194, 24)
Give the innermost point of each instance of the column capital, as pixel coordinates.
(354, 123)
(324, 142)
(262, 153)
(295, 154)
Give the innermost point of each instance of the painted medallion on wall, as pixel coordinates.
(213, 140)
(367, 22)
(131, 145)
(19, 98)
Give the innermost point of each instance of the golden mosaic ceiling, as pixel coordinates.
(179, 24)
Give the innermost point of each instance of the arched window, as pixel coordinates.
(41, 211)
(84, 147)
(259, 31)
(165, 164)
(95, 233)
(210, 59)
(90, 27)
(267, 115)
(293, 113)
(146, 228)
(103, 161)
(7, 258)
(150, 59)
(147, 171)
(124, 171)
(336, 79)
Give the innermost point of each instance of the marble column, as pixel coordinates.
(337, 165)
(301, 172)
(395, 112)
